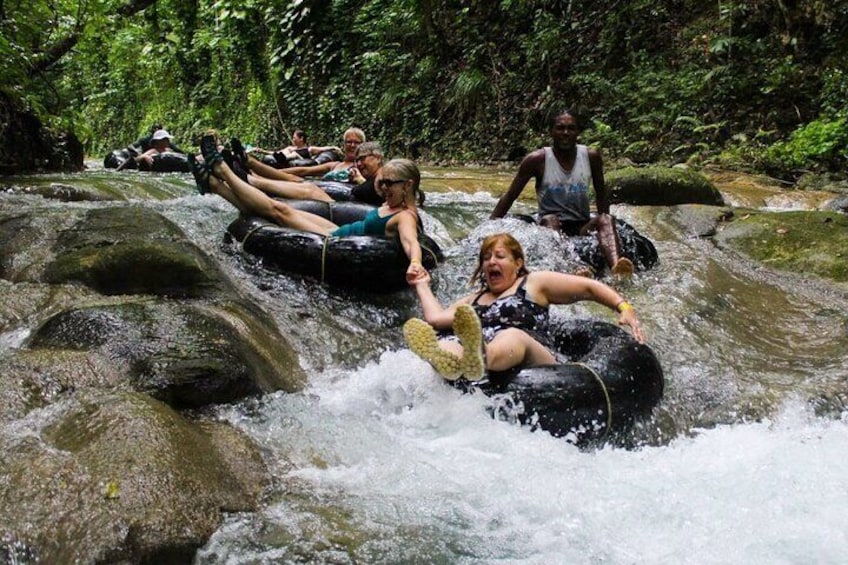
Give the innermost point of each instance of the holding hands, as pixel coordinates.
(416, 274)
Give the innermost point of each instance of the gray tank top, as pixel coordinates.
(565, 193)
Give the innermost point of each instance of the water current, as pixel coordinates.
(378, 461)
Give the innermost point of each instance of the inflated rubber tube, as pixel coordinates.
(275, 160)
(168, 162)
(328, 156)
(634, 246)
(118, 158)
(610, 382)
(320, 159)
(338, 191)
(301, 163)
(372, 263)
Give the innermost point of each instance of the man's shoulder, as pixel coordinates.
(535, 157)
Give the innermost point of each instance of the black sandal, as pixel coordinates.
(239, 152)
(209, 150)
(201, 174)
(234, 164)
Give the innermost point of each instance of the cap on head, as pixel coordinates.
(161, 134)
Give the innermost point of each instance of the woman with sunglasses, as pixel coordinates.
(398, 182)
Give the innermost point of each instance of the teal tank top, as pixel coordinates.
(372, 224)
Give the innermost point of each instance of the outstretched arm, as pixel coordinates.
(315, 150)
(435, 314)
(547, 287)
(529, 168)
(407, 228)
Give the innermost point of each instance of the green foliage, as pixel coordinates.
(820, 145)
(673, 80)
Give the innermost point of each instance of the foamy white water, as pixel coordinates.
(388, 464)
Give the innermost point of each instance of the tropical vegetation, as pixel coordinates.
(759, 84)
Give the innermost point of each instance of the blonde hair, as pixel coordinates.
(357, 132)
(407, 170)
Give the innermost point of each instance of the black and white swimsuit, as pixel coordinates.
(514, 311)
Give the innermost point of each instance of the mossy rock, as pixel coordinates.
(133, 250)
(33, 379)
(118, 477)
(661, 186)
(814, 243)
(61, 191)
(697, 219)
(188, 355)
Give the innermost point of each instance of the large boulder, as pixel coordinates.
(133, 250)
(221, 353)
(661, 186)
(115, 250)
(698, 220)
(117, 477)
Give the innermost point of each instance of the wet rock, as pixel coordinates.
(661, 186)
(698, 220)
(839, 204)
(827, 182)
(31, 380)
(120, 477)
(187, 355)
(133, 250)
(116, 250)
(60, 191)
(807, 243)
(28, 238)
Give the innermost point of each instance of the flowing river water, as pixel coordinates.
(378, 461)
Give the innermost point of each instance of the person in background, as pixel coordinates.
(160, 142)
(563, 172)
(298, 150)
(396, 217)
(332, 170)
(504, 324)
(147, 146)
(365, 172)
(145, 142)
(335, 170)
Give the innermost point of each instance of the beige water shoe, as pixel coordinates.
(421, 338)
(466, 326)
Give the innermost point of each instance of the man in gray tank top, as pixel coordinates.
(563, 172)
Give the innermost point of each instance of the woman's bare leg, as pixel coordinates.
(254, 201)
(263, 170)
(509, 349)
(286, 189)
(513, 347)
(223, 190)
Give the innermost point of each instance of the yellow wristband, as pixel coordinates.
(415, 262)
(624, 306)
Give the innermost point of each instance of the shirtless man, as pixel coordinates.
(563, 172)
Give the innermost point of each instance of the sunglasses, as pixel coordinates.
(385, 183)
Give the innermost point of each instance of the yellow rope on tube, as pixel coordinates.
(606, 396)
